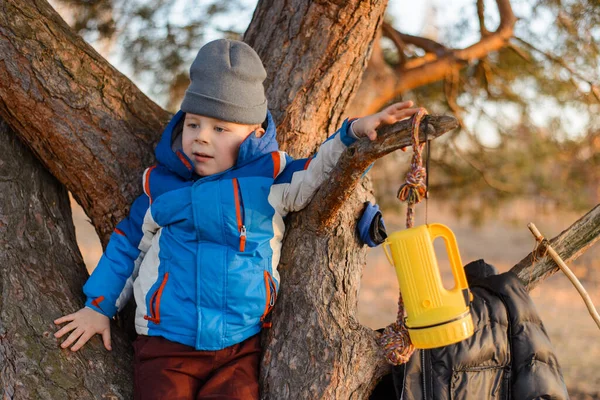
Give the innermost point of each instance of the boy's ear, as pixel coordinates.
(259, 132)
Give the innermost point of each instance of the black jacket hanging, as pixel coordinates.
(508, 357)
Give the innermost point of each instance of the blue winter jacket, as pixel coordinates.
(201, 254)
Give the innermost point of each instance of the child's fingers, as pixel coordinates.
(372, 135)
(407, 112)
(72, 338)
(65, 329)
(401, 105)
(106, 339)
(396, 116)
(66, 318)
(83, 339)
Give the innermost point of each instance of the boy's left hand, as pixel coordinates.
(366, 126)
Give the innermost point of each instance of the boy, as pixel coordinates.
(200, 247)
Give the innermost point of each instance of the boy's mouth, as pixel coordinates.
(202, 156)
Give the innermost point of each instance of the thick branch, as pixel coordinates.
(323, 209)
(570, 244)
(429, 68)
(87, 123)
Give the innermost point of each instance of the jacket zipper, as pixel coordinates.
(240, 213)
(155, 302)
(403, 381)
(271, 295)
(424, 368)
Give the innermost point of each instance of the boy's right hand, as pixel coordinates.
(366, 126)
(85, 323)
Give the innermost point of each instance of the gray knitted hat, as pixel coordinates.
(227, 83)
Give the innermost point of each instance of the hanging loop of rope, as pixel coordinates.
(395, 340)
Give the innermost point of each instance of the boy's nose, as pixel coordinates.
(203, 136)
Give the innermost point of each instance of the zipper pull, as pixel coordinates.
(243, 238)
(273, 291)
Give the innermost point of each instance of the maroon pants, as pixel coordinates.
(173, 371)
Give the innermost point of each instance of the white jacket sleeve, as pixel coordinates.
(298, 180)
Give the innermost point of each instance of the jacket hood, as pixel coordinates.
(170, 153)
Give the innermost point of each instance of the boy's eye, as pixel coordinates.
(219, 129)
(193, 126)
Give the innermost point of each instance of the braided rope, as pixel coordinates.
(414, 189)
(395, 340)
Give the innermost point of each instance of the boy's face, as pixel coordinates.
(212, 144)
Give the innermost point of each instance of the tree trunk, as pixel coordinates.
(315, 53)
(378, 81)
(326, 353)
(41, 274)
(317, 349)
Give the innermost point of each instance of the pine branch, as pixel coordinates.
(435, 65)
(557, 60)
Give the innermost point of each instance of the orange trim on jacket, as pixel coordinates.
(155, 302)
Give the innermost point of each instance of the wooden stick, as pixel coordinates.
(561, 264)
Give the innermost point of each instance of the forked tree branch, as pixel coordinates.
(431, 68)
(435, 70)
(91, 127)
(324, 207)
(570, 244)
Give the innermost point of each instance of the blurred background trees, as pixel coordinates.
(528, 103)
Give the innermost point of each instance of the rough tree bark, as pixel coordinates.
(41, 273)
(88, 124)
(314, 53)
(94, 130)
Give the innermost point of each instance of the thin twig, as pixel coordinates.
(481, 16)
(388, 31)
(564, 268)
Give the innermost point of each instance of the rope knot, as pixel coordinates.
(396, 343)
(414, 189)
